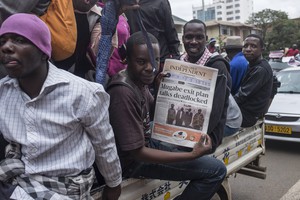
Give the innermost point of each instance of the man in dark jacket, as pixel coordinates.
(254, 94)
(157, 18)
(194, 40)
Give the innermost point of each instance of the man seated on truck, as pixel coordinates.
(56, 123)
(130, 111)
(194, 40)
(254, 94)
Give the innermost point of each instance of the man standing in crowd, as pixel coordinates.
(194, 40)
(142, 156)
(187, 117)
(179, 117)
(255, 91)
(171, 114)
(238, 62)
(56, 123)
(157, 18)
(198, 120)
(211, 46)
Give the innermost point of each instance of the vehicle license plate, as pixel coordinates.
(278, 129)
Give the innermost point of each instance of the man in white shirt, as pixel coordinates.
(57, 124)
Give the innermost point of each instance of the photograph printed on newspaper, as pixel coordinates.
(184, 102)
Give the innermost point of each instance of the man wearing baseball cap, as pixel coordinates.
(212, 45)
(56, 123)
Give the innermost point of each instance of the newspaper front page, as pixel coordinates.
(184, 103)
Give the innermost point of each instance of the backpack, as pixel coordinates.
(216, 57)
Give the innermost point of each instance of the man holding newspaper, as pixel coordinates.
(194, 40)
(142, 156)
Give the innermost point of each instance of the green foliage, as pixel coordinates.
(283, 34)
(276, 29)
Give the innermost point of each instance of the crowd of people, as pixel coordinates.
(60, 126)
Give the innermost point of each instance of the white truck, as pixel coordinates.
(240, 153)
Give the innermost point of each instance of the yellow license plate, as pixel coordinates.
(278, 129)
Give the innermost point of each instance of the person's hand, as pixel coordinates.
(203, 146)
(111, 193)
(159, 77)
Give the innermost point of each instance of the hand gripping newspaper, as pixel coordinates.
(184, 102)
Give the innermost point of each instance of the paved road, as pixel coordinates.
(282, 160)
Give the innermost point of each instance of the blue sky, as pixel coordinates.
(183, 9)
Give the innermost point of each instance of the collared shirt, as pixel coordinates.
(63, 128)
(202, 60)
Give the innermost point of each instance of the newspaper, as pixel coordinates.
(184, 103)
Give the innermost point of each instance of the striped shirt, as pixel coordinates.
(62, 130)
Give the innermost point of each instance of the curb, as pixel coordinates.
(293, 193)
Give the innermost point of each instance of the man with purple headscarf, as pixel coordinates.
(56, 123)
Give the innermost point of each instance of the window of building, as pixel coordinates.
(237, 5)
(224, 31)
(219, 7)
(219, 13)
(219, 19)
(210, 14)
(229, 1)
(229, 18)
(237, 17)
(229, 13)
(194, 12)
(207, 15)
(200, 15)
(237, 11)
(237, 0)
(228, 7)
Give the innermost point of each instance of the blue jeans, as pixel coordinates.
(228, 131)
(205, 173)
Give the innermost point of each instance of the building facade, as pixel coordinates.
(224, 10)
(222, 29)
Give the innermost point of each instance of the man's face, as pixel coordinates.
(252, 49)
(20, 57)
(194, 40)
(139, 65)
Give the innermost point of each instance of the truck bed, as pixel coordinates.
(236, 151)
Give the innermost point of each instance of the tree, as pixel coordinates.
(283, 34)
(277, 30)
(266, 19)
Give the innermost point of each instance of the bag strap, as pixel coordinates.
(148, 42)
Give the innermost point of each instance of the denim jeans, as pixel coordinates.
(205, 173)
(228, 131)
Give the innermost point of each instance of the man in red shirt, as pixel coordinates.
(292, 51)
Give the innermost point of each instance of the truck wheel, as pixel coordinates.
(224, 193)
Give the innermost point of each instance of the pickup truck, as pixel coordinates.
(240, 153)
